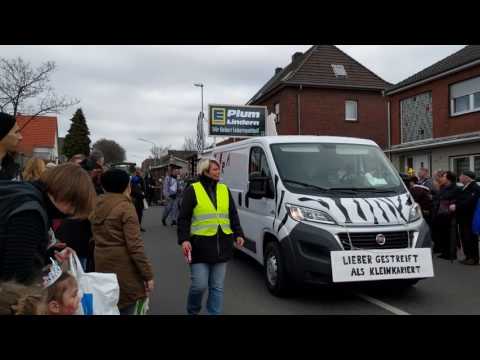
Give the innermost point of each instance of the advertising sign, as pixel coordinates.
(236, 121)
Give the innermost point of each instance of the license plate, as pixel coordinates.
(372, 265)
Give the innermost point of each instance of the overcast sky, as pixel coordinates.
(131, 92)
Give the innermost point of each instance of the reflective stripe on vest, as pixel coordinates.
(206, 219)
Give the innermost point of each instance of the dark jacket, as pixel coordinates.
(467, 202)
(26, 214)
(443, 199)
(119, 247)
(76, 234)
(422, 195)
(138, 191)
(207, 249)
(9, 169)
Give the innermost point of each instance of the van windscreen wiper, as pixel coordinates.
(375, 190)
(311, 186)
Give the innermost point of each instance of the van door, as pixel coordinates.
(259, 213)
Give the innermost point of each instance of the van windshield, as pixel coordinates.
(336, 169)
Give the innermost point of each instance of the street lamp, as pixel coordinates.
(200, 85)
(200, 132)
(154, 147)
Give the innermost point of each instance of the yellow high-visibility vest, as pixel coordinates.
(206, 219)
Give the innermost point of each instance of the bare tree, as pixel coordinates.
(27, 90)
(157, 151)
(190, 144)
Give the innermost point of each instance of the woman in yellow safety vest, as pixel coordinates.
(208, 225)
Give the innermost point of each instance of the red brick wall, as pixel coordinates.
(323, 113)
(443, 124)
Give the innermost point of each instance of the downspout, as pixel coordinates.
(299, 113)
(388, 131)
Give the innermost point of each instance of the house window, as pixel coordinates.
(466, 162)
(465, 96)
(339, 70)
(461, 164)
(351, 113)
(476, 166)
(277, 112)
(461, 104)
(476, 100)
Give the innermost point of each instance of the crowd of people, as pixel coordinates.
(49, 213)
(83, 208)
(448, 205)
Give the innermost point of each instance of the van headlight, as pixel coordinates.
(300, 213)
(415, 213)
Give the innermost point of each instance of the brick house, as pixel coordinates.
(326, 92)
(40, 137)
(434, 115)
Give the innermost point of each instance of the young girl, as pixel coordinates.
(63, 297)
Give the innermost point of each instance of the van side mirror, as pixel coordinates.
(260, 187)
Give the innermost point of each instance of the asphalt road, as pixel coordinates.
(453, 290)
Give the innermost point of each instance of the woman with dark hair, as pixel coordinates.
(26, 214)
(443, 210)
(119, 247)
(9, 138)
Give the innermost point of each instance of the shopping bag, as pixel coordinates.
(476, 220)
(100, 292)
(142, 306)
(145, 204)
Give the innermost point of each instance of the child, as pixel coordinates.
(62, 292)
(19, 299)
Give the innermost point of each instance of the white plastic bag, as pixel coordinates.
(100, 292)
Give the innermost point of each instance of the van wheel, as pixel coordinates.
(276, 278)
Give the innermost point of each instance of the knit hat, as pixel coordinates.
(115, 180)
(7, 122)
(469, 173)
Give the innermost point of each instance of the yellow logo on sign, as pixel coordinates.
(219, 116)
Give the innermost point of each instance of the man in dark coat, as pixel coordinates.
(444, 224)
(138, 195)
(465, 208)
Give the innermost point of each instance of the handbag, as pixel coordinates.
(100, 292)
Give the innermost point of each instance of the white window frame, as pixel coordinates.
(471, 102)
(471, 161)
(356, 110)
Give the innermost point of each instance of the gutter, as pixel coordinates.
(434, 145)
(389, 142)
(417, 83)
(299, 112)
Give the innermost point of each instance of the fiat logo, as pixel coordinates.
(381, 239)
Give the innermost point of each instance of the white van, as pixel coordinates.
(321, 209)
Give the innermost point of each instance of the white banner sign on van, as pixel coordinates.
(370, 265)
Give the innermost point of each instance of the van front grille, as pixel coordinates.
(393, 240)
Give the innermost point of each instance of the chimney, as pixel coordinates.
(277, 70)
(296, 56)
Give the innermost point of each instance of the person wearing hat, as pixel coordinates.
(465, 209)
(119, 247)
(9, 138)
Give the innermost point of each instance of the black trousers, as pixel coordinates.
(469, 240)
(139, 210)
(442, 235)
